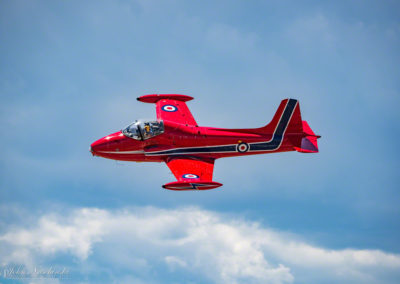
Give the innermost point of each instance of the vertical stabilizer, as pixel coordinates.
(287, 122)
(286, 117)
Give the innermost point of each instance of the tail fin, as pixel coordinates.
(287, 120)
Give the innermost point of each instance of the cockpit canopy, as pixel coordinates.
(142, 130)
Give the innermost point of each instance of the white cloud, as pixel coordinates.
(174, 262)
(53, 234)
(215, 247)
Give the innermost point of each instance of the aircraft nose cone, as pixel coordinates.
(106, 144)
(97, 146)
(92, 149)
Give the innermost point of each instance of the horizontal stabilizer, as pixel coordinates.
(309, 143)
(202, 185)
(308, 131)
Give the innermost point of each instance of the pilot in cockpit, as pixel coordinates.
(148, 130)
(142, 130)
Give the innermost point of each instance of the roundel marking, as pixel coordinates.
(190, 176)
(169, 108)
(242, 147)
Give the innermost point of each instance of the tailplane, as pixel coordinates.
(309, 143)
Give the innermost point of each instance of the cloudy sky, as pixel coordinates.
(70, 72)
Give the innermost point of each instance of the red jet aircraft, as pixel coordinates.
(190, 150)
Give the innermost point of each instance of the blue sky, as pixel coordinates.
(70, 73)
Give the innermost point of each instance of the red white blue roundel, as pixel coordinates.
(242, 147)
(169, 108)
(190, 176)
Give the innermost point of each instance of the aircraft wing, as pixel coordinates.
(191, 173)
(171, 107)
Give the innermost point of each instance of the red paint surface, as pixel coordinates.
(181, 131)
